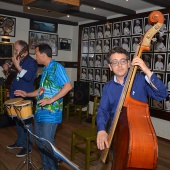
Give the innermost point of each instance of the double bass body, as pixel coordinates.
(135, 143)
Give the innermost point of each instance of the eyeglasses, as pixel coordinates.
(116, 62)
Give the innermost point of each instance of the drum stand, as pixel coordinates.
(29, 164)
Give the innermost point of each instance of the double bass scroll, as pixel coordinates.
(129, 153)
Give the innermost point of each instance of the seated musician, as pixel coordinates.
(146, 84)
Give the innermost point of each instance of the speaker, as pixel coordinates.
(81, 93)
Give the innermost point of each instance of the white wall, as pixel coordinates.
(64, 31)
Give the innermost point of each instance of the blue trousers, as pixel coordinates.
(22, 133)
(46, 131)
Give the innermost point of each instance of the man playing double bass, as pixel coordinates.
(146, 84)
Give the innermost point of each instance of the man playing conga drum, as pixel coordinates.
(26, 67)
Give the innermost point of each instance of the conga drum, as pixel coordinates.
(24, 109)
(9, 105)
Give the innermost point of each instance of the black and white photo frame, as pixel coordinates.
(105, 61)
(147, 58)
(168, 62)
(83, 73)
(107, 45)
(92, 46)
(116, 29)
(91, 60)
(115, 42)
(97, 74)
(84, 60)
(105, 75)
(135, 42)
(90, 74)
(161, 44)
(137, 26)
(159, 61)
(125, 43)
(85, 46)
(98, 60)
(97, 89)
(85, 33)
(126, 28)
(100, 31)
(168, 81)
(107, 30)
(99, 46)
(92, 34)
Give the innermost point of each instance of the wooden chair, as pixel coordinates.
(84, 140)
(79, 101)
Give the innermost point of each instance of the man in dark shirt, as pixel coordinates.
(26, 67)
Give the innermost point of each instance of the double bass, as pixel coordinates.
(132, 134)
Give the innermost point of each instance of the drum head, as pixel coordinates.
(23, 103)
(13, 101)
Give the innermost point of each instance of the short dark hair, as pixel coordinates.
(23, 44)
(118, 50)
(45, 48)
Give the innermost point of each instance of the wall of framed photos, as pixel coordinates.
(96, 39)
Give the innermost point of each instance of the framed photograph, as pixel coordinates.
(84, 60)
(100, 29)
(165, 25)
(43, 26)
(85, 47)
(90, 75)
(105, 61)
(115, 42)
(168, 62)
(135, 42)
(125, 43)
(147, 25)
(92, 34)
(91, 87)
(83, 73)
(36, 38)
(6, 50)
(168, 81)
(137, 26)
(156, 104)
(161, 76)
(98, 60)
(105, 75)
(97, 74)
(147, 58)
(92, 46)
(99, 46)
(167, 103)
(65, 44)
(8, 26)
(169, 42)
(91, 60)
(159, 61)
(85, 33)
(107, 45)
(116, 29)
(107, 30)
(126, 27)
(161, 44)
(97, 89)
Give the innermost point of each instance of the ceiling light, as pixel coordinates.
(29, 7)
(94, 8)
(68, 16)
(126, 0)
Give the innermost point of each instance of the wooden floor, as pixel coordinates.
(8, 160)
